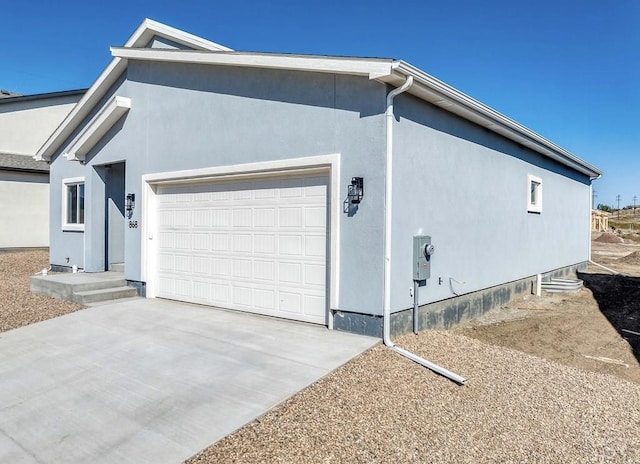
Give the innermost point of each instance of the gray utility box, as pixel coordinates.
(422, 251)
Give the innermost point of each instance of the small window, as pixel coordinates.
(534, 194)
(73, 204)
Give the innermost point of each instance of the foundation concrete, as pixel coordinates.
(447, 313)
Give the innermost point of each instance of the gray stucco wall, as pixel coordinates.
(24, 211)
(467, 188)
(192, 116)
(463, 185)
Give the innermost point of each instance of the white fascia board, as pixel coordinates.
(91, 98)
(459, 103)
(149, 28)
(97, 127)
(141, 37)
(354, 66)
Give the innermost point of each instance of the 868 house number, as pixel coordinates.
(133, 224)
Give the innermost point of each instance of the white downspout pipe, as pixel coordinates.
(388, 192)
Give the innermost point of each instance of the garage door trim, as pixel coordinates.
(326, 164)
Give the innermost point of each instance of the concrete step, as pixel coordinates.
(117, 267)
(105, 294)
(64, 285)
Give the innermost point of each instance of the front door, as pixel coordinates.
(114, 214)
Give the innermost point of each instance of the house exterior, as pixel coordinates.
(26, 121)
(298, 186)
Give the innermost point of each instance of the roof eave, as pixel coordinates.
(370, 67)
(111, 73)
(149, 28)
(440, 94)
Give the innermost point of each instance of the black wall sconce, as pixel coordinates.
(130, 204)
(356, 190)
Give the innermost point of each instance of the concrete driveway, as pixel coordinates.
(151, 381)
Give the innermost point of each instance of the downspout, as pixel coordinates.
(388, 191)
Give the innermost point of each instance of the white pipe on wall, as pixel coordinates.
(388, 192)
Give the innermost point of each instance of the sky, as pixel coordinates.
(567, 69)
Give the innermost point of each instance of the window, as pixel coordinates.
(73, 204)
(534, 194)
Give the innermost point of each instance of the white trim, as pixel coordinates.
(353, 66)
(329, 164)
(140, 38)
(534, 207)
(95, 129)
(388, 71)
(65, 183)
(150, 28)
(437, 92)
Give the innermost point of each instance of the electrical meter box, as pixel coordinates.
(422, 251)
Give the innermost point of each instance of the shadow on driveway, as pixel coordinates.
(618, 298)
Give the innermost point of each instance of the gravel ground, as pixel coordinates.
(381, 407)
(18, 306)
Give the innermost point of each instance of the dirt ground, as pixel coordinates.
(596, 328)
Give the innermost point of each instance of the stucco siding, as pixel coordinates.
(26, 125)
(66, 248)
(24, 214)
(467, 188)
(191, 117)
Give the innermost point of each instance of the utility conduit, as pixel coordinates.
(388, 190)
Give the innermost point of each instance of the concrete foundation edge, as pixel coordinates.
(141, 287)
(447, 313)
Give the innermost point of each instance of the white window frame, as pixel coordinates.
(66, 183)
(534, 205)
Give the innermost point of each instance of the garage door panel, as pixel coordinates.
(264, 299)
(314, 275)
(202, 218)
(290, 273)
(290, 245)
(315, 218)
(264, 244)
(290, 217)
(201, 291)
(201, 265)
(242, 269)
(220, 267)
(264, 271)
(290, 302)
(258, 246)
(265, 194)
(314, 305)
(219, 242)
(220, 294)
(220, 217)
(201, 242)
(264, 218)
(242, 296)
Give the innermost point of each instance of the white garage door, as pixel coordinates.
(255, 246)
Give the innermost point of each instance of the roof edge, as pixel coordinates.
(42, 96)
(371, 67)
(495, 121)
(140, 38)
(149, 28)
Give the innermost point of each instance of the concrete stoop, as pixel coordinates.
(83, 287)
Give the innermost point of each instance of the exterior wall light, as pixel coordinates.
(130, 204)
(356, 190)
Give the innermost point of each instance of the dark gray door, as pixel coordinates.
(115, 214)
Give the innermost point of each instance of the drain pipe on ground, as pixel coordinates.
(606, 268)
(386, 315)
